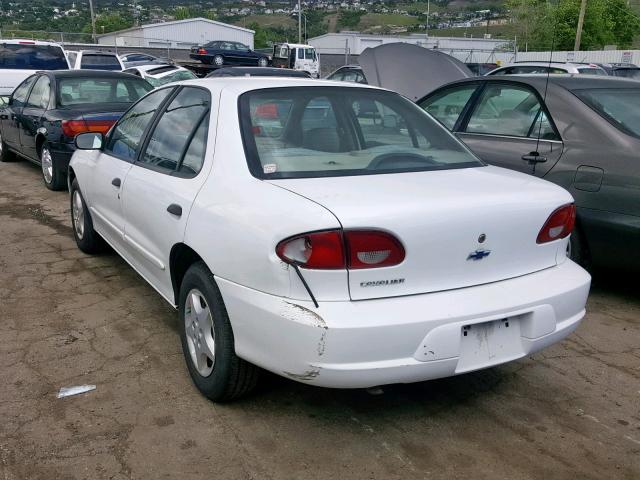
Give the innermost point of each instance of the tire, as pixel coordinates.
(5, 154)
(263, 62)
(87, 239)
(52, 177)
(207, 339)
(218, 60)
(577, 249)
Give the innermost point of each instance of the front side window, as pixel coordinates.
(19, 97)
(620, 106)
(86, 90)
(39, 96)
(170, 143)
(447, 106)
(331, 131)
(124, 141)
(511, 111)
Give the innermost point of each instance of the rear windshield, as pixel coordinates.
(621, 106)
(32, 57)
(331, 131)
(627, 73)
(78, 91)
(100, 62)
(591, 71)
(172, 77)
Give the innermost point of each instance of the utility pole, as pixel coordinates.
(583, 8)
(93, 21)
(428, 12)
(299, 22)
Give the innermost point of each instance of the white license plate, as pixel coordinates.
(489, 343)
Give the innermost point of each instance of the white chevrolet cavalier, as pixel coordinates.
(334, 234)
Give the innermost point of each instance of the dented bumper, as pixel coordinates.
(357, 344)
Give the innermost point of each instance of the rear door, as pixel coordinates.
(12, 118)
(508, 126)
(163, 183)
(32, 113)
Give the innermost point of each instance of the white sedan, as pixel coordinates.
(331, 233)
(159, 74)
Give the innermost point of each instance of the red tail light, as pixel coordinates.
(267, 111)
(335, 249)
(202, 51)
(71, 128)
(559, 225)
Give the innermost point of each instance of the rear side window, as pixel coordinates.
(620, 106)
(32, 57)
(100, 62)
(510, 111)
(124, 141)
(177, 140)
(76, 91)
(447, 106)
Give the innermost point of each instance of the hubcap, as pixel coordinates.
(47, 165)
(77, 212)
(198, 324)
(218, 60)
(262, 62)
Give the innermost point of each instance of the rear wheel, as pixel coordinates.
(263, 62)
(51, 175)
(218, 60)
(207, 339)
(5, 154)
(87, 239)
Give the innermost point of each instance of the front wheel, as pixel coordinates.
(53, 178)
(87, 239)
(263, 62)
(207, 339)
(218, 60)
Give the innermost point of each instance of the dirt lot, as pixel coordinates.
(572, 411)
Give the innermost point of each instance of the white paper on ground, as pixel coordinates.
(69, 391)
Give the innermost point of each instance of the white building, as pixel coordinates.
(354, 43)
(177, 34)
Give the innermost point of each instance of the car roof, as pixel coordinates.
(552, 64)
(97, 52)
(86, 74)
(257, 71)
(567, 81)
(153, 66)
(26, 41)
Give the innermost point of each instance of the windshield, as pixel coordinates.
(32, 57)
(172, 77)
(77, 91)
(627, 73)
(621, 106)
(331, 131)
(307, 53)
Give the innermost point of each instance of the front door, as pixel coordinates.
(32, 114)
(163, 183)
(12, 118)
(113, 164)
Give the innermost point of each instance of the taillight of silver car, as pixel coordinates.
(559, 224)
(338, 249)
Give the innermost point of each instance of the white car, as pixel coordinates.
(94, 60)
(158, 75)
(528, 68)
(19, 59)
(333, 248)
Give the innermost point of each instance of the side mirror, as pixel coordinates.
(89, 141)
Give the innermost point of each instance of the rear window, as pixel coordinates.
(100, 62)
(621, 106)
(331, 131)
(627, 73)
(77, 91)
(32, 57)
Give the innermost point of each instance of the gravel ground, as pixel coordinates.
(569, 412)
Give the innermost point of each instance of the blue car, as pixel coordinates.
(221, 53)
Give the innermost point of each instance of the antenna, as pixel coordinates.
(536, 154)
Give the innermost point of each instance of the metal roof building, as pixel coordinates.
(179, 34)
(354, 43)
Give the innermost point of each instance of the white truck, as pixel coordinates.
(21, 58)
(296, 56)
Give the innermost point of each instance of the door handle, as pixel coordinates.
(175, 209)
(116, 182)
(533, 158)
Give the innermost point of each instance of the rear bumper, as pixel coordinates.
(408, 339)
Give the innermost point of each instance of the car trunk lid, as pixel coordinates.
(459, 228)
